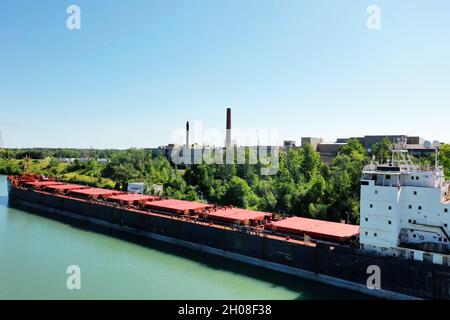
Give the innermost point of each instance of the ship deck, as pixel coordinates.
(295, 230)
(191, 219)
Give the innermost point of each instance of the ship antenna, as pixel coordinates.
(436, 145)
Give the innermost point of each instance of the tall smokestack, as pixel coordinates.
(187, 135)
(228, 141)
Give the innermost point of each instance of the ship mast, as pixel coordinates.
(400, 155)
(27, 164)
(436, 161)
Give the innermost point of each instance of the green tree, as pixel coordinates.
(382, 150)
(240, 194)
(343, 188)
(355, 150)
(124, 173)
(52, 167)
(10, 166)
(93, 169)
(310, 162)
(444, 158)
(265, 191)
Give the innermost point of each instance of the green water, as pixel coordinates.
(35, 252)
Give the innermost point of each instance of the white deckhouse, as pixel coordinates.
(405, 209)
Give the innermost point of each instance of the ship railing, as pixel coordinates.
(387, 183)
(306, 239)
(245, 229)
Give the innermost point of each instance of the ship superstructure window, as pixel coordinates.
(376, 191)
(445, 225)
(412, 178)
(375, 234)
(417, 178)
(415, 193)
(367, 219)
(445, 210)
(371, 205)
(410, 206)
(366, 233)
(388, 177)
(420, 207)
(389, 222)
(390, 207)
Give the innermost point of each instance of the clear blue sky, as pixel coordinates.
(137, 70)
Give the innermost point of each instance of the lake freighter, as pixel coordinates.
(403, 229)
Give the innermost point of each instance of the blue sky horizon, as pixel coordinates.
(135, 73)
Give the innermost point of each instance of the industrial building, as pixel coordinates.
(190, 153)
(415, 145)
(193, 153)
(369, 141)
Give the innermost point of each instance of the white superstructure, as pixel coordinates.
(405, 210)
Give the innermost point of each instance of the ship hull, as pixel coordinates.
(334, 265)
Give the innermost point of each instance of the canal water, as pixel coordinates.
(35, 253)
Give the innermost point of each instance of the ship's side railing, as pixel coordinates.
(384, 183)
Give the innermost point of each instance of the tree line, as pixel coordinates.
(303, 185)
